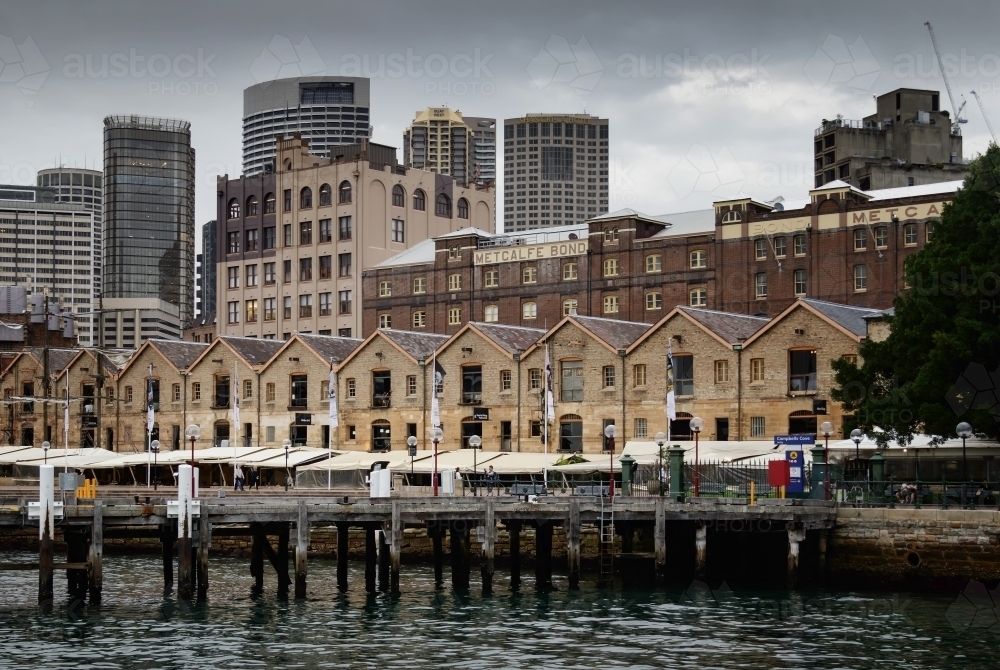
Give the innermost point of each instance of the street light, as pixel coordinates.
(964, 431)
(475, 442)
(436, 435)
(45, 449)
(856, 437)
(610, 431)
(697, 424)
(193, 432)
(154, 446)
(827, 429)
(660, 439)
(287, 444)
(411, 442)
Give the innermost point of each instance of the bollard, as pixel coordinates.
(676, 455)
(46, 531)
(627, 462)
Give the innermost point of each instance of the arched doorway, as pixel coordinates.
(381, 435)
(802, 422)
(571, 433)
(680, 428)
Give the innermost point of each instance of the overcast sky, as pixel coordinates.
(705, 99)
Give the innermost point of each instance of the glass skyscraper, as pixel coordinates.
(148, 225)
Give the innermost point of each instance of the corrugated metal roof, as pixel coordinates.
(616, 333)
(418, 345)
(511, 338)
(11, 332)
(850, 317)
(727, 325)
(420, 253)
(328, 346)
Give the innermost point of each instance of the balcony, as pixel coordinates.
(472, 398)
(381, 400)
(800, 383)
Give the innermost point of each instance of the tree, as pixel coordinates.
(940, 363)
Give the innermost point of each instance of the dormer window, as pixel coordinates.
(732, 216)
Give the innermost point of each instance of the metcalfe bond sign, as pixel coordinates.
(925, 210)
(532, 252)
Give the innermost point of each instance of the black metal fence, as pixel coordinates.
(943, 494)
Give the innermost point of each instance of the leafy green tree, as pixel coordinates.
(940, 363)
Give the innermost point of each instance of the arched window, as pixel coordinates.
(305, 198)
(325, 195)
(443, 206)
(288, 165)
(252, 206)
(419, 200)
(381, 435)
(269, 203)
(234, 209)
(463, 208)
(398, 196)
(344, 192)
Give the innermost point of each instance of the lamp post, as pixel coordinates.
(475, 442)
(411, 443)
(45, 450)
(827, 429)
(697, 424)
(660, 439)
(856, 437)
(610, 431)
(287, 444)
(964, 431)
(154, 446)
(193, 432)
(436, 435)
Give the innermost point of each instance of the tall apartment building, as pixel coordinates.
(149, 255)
(206, 277)
(908, 141)
(442, 140)
(329, 111)
(50, 246)
(555, 170)
(295, 244)
(84, 187)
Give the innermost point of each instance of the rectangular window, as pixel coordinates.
(610, 267)
(851, 358)
(910, 234)
(305, 306)
(881, 237)
(251, 275)
(411, 385)
(491, 314)
(760, 249)
(128, 394)
(569, 307)
(572, 381)
(269, 238)
(529, 310)
(286, 307)
(721, 372)
(346, 299)
(641, 427)
(760, 282)
(344, 263)
(176, 392)
(699, 297)
(287, 267)
(756, 369)
(196, 391)
(270, 309)
(699, 259)
(234, 276)
(221, 391)
(472, 384)
(529, 275)
(654, 263)
(639, 375)
(233, 243)
(247, 389)
(683, 374)
(569, 271)
(536, 429)
(800, 245)
(860, 278)
(269, 274)
(234, 312)
(534, 379)
(491, 278)
(455, 282)
(930, 232)
(800, 282)
(385, 320)
(251, 236)
(352, 389)
(345, 227)
(454, 316)
(287, 234)
(419, 319)
(251, 311)
(287, 199)
(325, 231)
(300, 390)
(654, 300)
(610, 304)
(419, 285)
(780, 247)
(398, 231)
(305, 232)
(326, 267)
(325, 304)
(757, 426)
(609, 376)
(384, 289)
(505, 380)
(305, 269)
(802, 370)
(860, 239)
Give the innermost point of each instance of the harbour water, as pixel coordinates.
(701, 626)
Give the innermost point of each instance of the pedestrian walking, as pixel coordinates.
(238, 477)
(492, 478)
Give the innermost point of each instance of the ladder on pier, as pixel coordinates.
(607, 542)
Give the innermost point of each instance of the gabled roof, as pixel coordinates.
(58, 358)
(479, 232)
(179, 353)
(508, 339)
(839, 185)
(727, 328)
(254, 350)
(413, 345)
(615, 333)
(112, 359)
(420, 253)
(848, 319)
(329, 347)
(938, 188)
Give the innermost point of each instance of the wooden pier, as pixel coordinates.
(279, 530)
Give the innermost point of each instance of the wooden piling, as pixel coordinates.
(370, 560)
(301, 547)
(437, 532)
(700, 550)
(514, 537)
(282, 563)
(167, 535)
(460, 564)
(46, 544)
(573, 544)
(95, 555)
(660, 542)
(257, 540)
(543, 556)
(343, 537)
(76, 554)
(395, 547)
(489, 534)
(383, 561)
(822, 540)
(204, 544)
(795, 537)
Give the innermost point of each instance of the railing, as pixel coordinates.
(943, 494)
(380, 400)
(858, 124)
(805, 382)
(471, 398)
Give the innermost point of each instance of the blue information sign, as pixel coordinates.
(796, 467)
(797, 440)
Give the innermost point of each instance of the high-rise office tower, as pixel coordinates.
(77, 185)
(148, 229)
(205, 271)
(555, 170)
(328, 111)
(442, 140)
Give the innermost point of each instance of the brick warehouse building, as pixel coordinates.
(842, 245)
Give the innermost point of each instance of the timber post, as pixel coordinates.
(434, 528)
(660, 542)
(795, 537)
(204, 544)
(370, 560)
(167, 534)
(700, 550)
(514, 538)
(573, 544)
(383, 559)
(95, 568)
(282, 562)
(343, 537)
(543, 555)
(257, 540)
(301, 547)
(459, 532)
(489, 535)
(395, 547)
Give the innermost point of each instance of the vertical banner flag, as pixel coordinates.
(438, 381)
(236, 401)
(334, 414)
(550, 410)
(149, 402)
(671, 405)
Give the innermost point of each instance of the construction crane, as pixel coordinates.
(958, 120)
(985, 118)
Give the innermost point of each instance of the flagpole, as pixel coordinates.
(334, 423)
(149, 424)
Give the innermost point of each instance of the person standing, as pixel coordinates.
(492, 477)
(238, 477)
